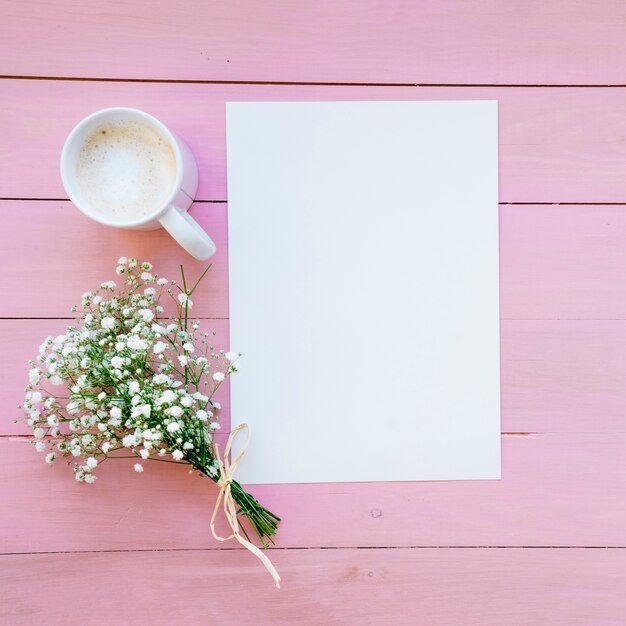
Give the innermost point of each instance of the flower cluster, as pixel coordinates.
(126, 382)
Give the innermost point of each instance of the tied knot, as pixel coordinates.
(223, 483)
(227, 469)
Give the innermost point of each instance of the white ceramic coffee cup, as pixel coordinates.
(170, 214)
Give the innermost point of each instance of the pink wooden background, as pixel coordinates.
(544, 546)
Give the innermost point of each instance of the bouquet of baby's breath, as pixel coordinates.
(125, 382)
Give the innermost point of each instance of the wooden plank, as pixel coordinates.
(556, 145)
(557, 490)
(449, 41)
(557, 376)
(563, 262)
(556, 261)
(50, 283)
(563, 375)
(332, 587)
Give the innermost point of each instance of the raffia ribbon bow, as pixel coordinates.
(227, 470)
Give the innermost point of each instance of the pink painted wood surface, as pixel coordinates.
(557, 262)
(563, 375)
(563, 262)
(556, 490)
(556, 145)
(563, 332)
(53, 253)
(331, 587)
(406, 41)
(557, 375)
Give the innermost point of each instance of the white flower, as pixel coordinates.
(174, 411)
(128, 441)
(187, 445)
(138, 467)
(79, 476)
(214, 426)
(146, 315)
(159, 347)
(56, 380)
(107, 323)
(186, 401)
(162, 281)
(109, 284)
(50, 457)
(91, 462)
(39, 433)
(133, 386)
(115, 412)
(106, 446)
(144, 453)
(182, 298)
(200, 397)
(167, 397)
(53, 420)
(146, 276)
(136, 343)
(117, 362)
(171, 328)
(202, 415)
(183, 360)
(35, 397)
(189, 347)
(75, 451)
(40, 446)
(90, 478)
(33, 376)
(172, 427)
(218, 377)
(122, 260)
(231, 356)
(177, 455)
(58, 341)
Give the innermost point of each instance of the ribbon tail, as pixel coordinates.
(227, 469)
(269, 566)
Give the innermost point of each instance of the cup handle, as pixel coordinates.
(188, 233)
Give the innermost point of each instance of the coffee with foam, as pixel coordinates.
(126, 170)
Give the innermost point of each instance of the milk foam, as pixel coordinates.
(125, 170)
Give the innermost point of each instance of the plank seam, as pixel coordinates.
(566, 203)
(296, 548)
(193, 81)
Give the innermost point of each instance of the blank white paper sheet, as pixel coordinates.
(363, 261)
